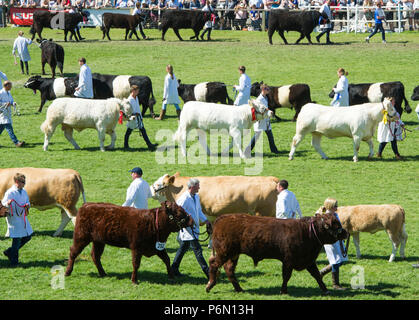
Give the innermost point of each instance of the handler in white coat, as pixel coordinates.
(18, 226)
(21, 46)
(333, 251)
(138, 192)
(243, 88)
(326, 27)
(85, 86)
(287, 205)
(341, 97)
(188, 237)
(170, 93)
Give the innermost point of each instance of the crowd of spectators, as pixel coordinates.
(242, 13)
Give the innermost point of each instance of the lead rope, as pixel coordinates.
(25, 209)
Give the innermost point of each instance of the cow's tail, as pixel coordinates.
(45, 128)
(80, 182)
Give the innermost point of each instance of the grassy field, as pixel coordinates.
(312, 179)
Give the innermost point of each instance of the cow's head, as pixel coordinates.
(255, 89)
(4, 211)
(33, 83)
(158, 188)
(389, 106)
(332, 93)
(125, 108)
(327, 229)
(43, 42)
(178, 217)
(260, 110)
(415, 95)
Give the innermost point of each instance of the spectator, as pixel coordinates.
(21, 46)
(416, 14)
(172, 4)
(391, 6)
(209, 24)
(121, 3)
(240, 15)
(255, 19)
(378, 17)
(408, 12)
(267, 4)
(45, 4)
(257, 3)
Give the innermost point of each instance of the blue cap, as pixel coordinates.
(137, 170)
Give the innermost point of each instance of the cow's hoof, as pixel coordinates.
(57, 234)
(290, 158)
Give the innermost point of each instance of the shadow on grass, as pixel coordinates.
(385, 258)
(67, 234)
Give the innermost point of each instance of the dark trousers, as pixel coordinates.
(393, 146)
(13, 252)
(271, 140)
(26, 65)
(378, 27)
(327, 32)
(196, 248)
(144, 135)
(205, 31)
(9, 129)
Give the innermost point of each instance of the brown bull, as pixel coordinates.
(296, 242)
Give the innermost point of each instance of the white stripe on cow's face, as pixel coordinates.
(59, 87)
(284, 96)
(200, 91)
(121, 87)
(374, 92)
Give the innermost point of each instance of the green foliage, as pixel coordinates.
(105, 175)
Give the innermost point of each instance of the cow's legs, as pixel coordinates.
(68, 133)
(126, 34)
(177, 34)
(107, 34)
(357, 142)
(315, 142)
(136, 260)
(286, 275)
(202, 137)
(113, 139)
(43, 62)
(101, 135)
(215, 262)
(166, 260)
(308, 36)
(135, 33)
(403, 239)
(281, 34)
(300, 38)
(103, 32)
(53, 70)
(270, 34)
(97, 250)
(73, 33)
(395, 242)
(371, 145)
(79, 243)
(295, 142)
(65, 219)
(163, 32)
(65, 35)
(235, 134)
(182, 140)
(355, 237)
(230, 267)
(314, 271)
(49, 131)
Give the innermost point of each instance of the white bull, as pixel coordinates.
(205, 116)
(357, 122)
(80, 114)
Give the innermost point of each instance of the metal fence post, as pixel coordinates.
(347, 18)
(399, 22)
(356, 18)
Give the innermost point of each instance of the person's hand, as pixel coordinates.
(9, 202)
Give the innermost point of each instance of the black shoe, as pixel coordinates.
(176, 272)
(318, 39)
(152, 146)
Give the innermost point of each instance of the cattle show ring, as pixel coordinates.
(203, 79)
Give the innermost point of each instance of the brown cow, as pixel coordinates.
(373, 218)
(49, 188)
(296, 242)
(224, 194)
(126, 227)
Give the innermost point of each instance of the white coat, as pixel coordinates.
(244, 90)
(85, 83)
(326, 9)
(208, 24)
(264, 124)
(341, 97)
(333, 251)
(21, 45)
(192, 207)
(287, 205)
(386, 132)
(137, 194)
(170, 93)
(133, 123)
(5, 112)
(18, 225)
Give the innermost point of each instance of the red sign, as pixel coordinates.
(22, 16)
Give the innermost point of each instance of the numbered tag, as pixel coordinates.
(160, 245)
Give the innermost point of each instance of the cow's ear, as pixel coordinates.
(178, 81)
(171, 179)
(177, 174)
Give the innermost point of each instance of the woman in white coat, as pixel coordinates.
(333, 251)
(170, 93)
(243, 88)
(390, 129)
(341, 97)
(21, 46)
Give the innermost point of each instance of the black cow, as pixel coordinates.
(53, 54)
(205, 92)
(303, 22)
(121, 21)
(45, 19)
(183, 19)
(376, 92)
(51, 89)
(289, 96)
(119, 87)
(415, 95)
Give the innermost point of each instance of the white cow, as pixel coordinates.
(205, 116)
(80, 114)
(357, 122)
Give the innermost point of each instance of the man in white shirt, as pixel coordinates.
(85, 86)
(21, 46)
(286, 205)
(243, 88)
(327, 27)
(18, 226)
(188, 237)
(6, 103)
(138, 192)
(136, 120)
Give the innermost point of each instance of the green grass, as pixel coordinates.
(106, 178)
